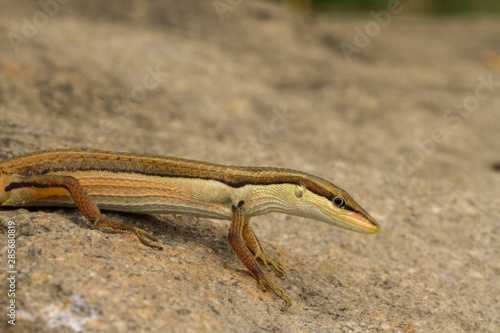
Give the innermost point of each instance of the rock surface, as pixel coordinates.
(409, 126)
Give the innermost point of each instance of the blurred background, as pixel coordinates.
(449, 7)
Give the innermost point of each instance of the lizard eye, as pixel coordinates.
(338, 201)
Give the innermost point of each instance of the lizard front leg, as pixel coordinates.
(254, 246)
(239, 246)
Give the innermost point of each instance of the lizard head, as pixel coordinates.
(320, 200)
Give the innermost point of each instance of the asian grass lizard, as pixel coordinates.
(126, 182)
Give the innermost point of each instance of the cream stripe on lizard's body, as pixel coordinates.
(155, 184)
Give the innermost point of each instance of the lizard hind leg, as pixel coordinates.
(32, 188)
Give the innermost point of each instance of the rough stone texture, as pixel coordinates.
(224, 86)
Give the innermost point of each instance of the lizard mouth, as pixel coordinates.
(349, 220)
